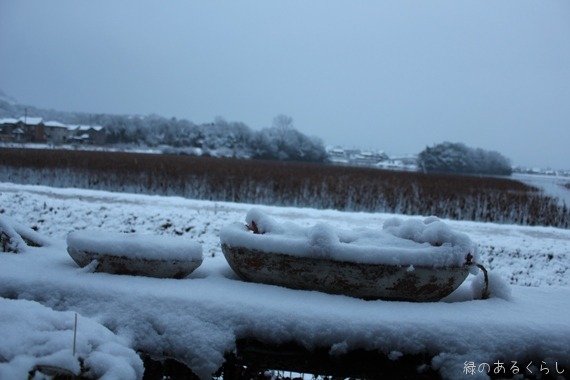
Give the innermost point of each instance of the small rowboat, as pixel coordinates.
(132, 254)
(367, 281)
(409, 260)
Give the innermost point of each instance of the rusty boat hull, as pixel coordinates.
(366, 281)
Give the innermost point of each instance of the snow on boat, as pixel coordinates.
(412, 260)
(134, 254)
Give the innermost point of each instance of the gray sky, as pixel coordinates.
(392, 75)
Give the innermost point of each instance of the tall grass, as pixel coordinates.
(288, 184)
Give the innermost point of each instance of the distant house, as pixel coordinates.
(368, 158)
(337, 155)
(7, 127)
(87, 134)
(35, 130)
(24, 129)
(56, 132)
(355, 157)
(403, 163)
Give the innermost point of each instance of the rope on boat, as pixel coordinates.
(485, 294)
(469, 261)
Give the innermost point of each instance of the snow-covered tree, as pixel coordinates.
(283, 142)
(279, 142)
(450, 157)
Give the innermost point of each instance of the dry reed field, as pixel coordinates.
(474, 198)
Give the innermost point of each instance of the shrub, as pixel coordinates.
(487, 199)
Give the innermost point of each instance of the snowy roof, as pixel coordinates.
(335, 149)
(55, 124)
(8, 121)
(31, 120)
(84, 127)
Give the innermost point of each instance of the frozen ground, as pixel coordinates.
(198, 319)
(554, 186)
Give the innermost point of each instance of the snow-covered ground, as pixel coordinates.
(553, 186)
(198, 319)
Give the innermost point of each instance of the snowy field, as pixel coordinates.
(554, 186)
(524, 327)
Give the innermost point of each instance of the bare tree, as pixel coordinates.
(283, 125)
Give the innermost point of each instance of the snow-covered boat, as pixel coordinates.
(412, 260)
(134, 254)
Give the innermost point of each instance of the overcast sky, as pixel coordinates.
(392, 75)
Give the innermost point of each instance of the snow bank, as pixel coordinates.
(140, 246)
(33, 334)
(198, 319)
(428, 242)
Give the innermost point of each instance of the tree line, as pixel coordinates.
(281, 141)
